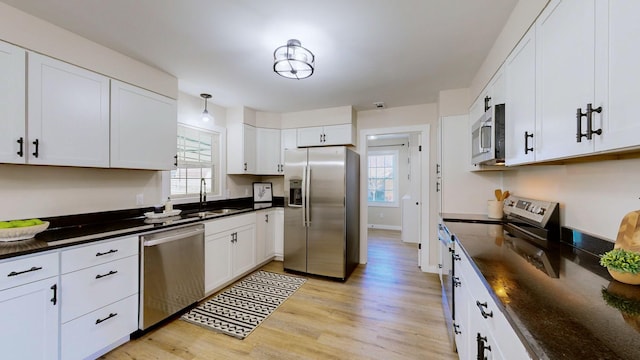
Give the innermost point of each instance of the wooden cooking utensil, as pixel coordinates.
(505, 195)
(498, 193)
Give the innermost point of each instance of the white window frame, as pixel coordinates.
(221, 172)
(396, 183)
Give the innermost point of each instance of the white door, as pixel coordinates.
(268, 151)
(244, 249)
(143, 128)
(29, 318)
(68, 114)
(310, 136)
(564, 76)
(520, 102)
(411, 213)
(617, 74)
(13, 139)
(217, 260)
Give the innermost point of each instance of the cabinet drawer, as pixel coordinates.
(28, 269)
(88, 334)
(228, 223)
(98, 253)
(92, 288)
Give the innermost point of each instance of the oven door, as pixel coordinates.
(483, 139)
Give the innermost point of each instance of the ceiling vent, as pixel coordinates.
(379, 105)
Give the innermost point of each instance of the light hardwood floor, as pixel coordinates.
(387, 309)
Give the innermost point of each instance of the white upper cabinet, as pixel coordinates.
(241, 149)
(143, 128)
(326, 135)
(68, 114)
(617, 74)
(288, 140)
(564, 76)
(520, 102)
(12, 104)
(268, 151)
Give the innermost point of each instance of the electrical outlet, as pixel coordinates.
(139, 199)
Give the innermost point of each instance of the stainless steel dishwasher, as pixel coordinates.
(171, 272)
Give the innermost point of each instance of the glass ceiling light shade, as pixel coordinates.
(205, 114)
(293, 61)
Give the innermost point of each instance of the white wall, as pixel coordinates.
(34, 34)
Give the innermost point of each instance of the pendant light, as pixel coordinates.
(205, 114)
(293, 61)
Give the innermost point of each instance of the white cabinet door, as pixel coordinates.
(244, 249)
(217, 260)
(29, 318)
(520, 104)
(497, 88)
(265, 234)
(338, 135)
(13, 138)
(241, 149)
(288, 140)
(143, 128)
(268, 151)
(68, 114)
(278, 241)
(564, 76)
(617, 74)
(310, 136)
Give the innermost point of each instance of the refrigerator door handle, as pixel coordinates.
(304, 199)
(307, 189)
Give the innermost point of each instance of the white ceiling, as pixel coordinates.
(400, 52)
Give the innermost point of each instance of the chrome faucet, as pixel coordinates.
(203, 193)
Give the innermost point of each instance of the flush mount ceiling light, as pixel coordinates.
(205, 114)
(293, 61)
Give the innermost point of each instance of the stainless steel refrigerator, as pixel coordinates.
(322, 211)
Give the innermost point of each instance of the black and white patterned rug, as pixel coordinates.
(238, 310)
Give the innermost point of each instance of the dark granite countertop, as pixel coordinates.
(473, 218)
(568, 317)
(72, 230)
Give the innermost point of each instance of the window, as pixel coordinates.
(198, 158)
(383, 178)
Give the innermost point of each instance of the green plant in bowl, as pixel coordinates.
(621, 260)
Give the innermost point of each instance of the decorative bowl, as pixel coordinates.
(21, 233)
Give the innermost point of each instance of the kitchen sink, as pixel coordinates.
(212, 213)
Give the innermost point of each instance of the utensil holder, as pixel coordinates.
(494, 209)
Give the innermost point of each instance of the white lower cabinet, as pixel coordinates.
(29, 307)
(278, 225)
(482, 330)
(265, 235)
(230, 249)
(99, 300)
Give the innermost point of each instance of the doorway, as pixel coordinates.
(398, 202)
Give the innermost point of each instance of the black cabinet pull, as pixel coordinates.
(457, 257)
(175, 163)
(107, 253)
(456, 329)
(16, 273)
(579, 134)
(526, 142)
(100, 276)
(456, 281)
(486, 103)
(590, 111)
(480, 341)
(437, 186)
(21, 151)
(437, 168)
(98, 321)
(37, 144)
(245, 166)
(483, 306)
(54, 299)
(266, 218)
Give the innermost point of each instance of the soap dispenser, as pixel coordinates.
(168, 206)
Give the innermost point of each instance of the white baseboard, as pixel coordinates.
(384, 227)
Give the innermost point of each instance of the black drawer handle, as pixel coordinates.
(106, 253)
(457, 257)
(37, 144)
(456, 282)
(456, 329)
(483, 306)
(54, 288)
(98, 321)
(21, 151)
(112, 272)
(16, 273)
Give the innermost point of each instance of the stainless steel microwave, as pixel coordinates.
(487, 137)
